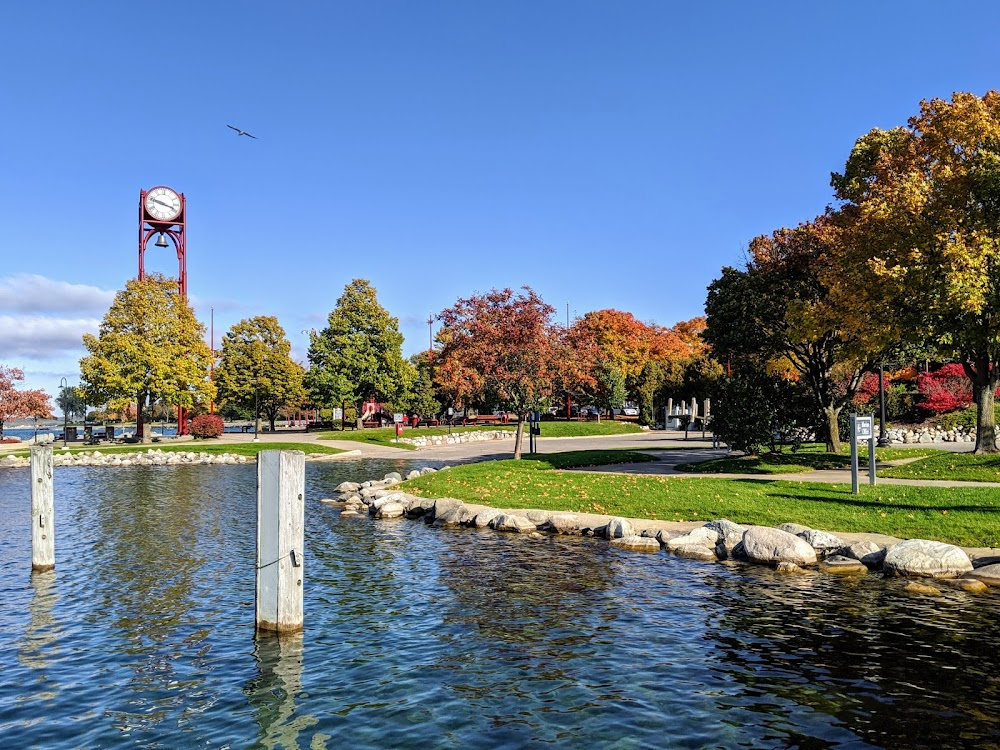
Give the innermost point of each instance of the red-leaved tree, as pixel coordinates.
(501, 347)
(15, 404)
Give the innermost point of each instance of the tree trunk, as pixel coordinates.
(986, 423)
(832, 429)
(518, 437)
(271, 418)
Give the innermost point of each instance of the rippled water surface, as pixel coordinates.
(419, 637)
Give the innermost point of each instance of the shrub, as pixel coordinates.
(754, 410)
(206, 426)
(944, 390)
(966, 418)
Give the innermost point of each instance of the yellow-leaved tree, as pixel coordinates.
(925, 206)
(149, 347)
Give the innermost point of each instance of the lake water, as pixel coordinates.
(419, 637)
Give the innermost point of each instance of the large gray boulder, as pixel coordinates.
(695, 552)
(510, 522)
(393, 477)
(866, 551)
(484, 517)
(538, 517)
(452, 515)
(702, 536)
(347, 487)
(443, 505)
(823, 542)
(618, 528)
(772, 546)
(418, 506)
(636, 543)
(665, 535)
(922, 558)
(563, 523)
(391, 509)
(988, 574)
(725, 527)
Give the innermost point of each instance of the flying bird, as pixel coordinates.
(242, 132)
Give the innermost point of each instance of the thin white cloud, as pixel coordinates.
(32, 293)
(42, 338)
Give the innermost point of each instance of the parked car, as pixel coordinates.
(631, 411)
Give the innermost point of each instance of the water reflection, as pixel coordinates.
(425, 637)
(41, 644)
(276, 688)
(886, 667)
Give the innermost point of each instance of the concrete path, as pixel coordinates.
(669, 447)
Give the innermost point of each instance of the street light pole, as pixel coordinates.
(883, 436)
(256, 417)
(62, 393)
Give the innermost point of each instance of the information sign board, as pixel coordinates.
(862, 429)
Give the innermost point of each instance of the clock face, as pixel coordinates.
(163, 204)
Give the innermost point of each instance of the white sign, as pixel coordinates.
(397, 418)
(862, 428)
(338, 413)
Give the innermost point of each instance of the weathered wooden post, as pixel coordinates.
(281, 478)
(43, 531)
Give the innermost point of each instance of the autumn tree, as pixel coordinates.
(779, 309)
(927, 204)
(256, 370)
(150, 346)
(20, 404)
(501, 347)
(613, 343)
(358, 356)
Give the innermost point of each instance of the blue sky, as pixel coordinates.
(607, 154)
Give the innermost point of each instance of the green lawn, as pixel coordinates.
(203, 446)
(810, 457)
(968, 517)
(387, 435)
(965, 467)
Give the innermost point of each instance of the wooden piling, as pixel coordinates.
(280, 537)
(43, 531)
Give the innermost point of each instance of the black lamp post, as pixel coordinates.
(883, 436)
(256, 417)
(62, 393)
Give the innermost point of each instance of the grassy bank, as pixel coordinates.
(203, 446)
(965, 467)
(970, 517)
(810, 457)
(387, 435)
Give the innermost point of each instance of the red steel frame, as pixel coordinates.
(176, 230)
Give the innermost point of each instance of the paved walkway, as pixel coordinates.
(669, 447)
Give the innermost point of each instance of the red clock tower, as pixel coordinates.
(163, 212)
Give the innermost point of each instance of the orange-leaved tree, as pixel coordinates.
(613, 346)
(503, 348)
(17, 404)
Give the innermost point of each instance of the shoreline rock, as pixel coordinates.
(790, 548)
